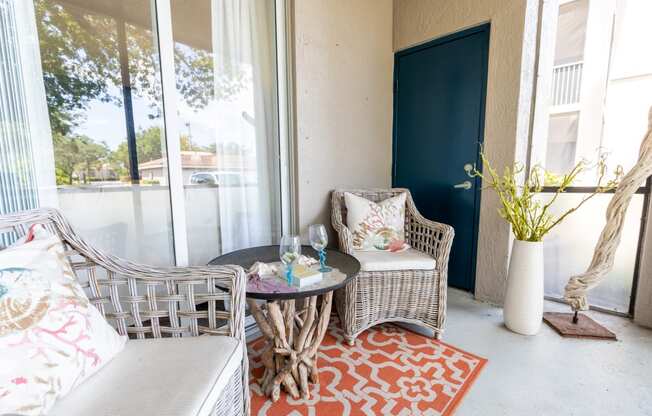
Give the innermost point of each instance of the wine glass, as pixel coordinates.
(318, 241)
(289, 252)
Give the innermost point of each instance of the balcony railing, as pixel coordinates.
(134, 222)
(566, 82)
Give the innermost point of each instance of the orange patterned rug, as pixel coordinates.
(389, 371)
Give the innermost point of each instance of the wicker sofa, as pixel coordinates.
(168, 369)
(407, 287)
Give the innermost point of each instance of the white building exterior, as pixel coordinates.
(600, 84)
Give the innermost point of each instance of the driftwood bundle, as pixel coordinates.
(293, 337)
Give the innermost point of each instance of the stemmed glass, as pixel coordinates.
(289, 252)
(318, 241)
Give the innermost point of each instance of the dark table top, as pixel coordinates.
(345, 267)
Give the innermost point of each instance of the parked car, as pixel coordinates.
(217, 178)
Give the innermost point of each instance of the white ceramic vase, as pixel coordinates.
(523, 309)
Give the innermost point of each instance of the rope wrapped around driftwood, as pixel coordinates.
(605, 250)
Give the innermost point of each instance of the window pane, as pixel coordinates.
(103, 93)
(562, 142)
(225, 63)
(600, 75)
(568, 249)
(571, 32)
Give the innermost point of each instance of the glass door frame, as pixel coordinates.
(162, 23)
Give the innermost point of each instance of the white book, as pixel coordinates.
(303, 276)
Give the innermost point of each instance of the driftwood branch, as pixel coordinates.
(293, 339)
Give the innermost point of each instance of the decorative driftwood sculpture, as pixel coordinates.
(605, 250)
(290, 357)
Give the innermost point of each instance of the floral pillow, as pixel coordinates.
(376, 226)
(51, 337)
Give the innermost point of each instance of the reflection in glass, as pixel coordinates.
(96, 131)
(225, 67)
(103, 93)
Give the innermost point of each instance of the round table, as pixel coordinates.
(292, 322)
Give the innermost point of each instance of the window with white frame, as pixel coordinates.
(153, 125)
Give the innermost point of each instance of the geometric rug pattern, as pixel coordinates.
(389, 371)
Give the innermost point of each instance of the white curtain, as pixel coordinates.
(246, 123)
(26, 156)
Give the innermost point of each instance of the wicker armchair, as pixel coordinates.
(413, 296)
(152, 302)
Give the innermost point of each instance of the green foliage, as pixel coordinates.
(77, 67)
(521, 205)
(80, 156)
(77, 155)
(81, 63)
(150, 145)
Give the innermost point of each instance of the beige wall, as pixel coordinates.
(343, 81)
(507, 105)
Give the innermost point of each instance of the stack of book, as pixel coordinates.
(303, 276)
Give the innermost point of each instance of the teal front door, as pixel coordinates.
(439, 102)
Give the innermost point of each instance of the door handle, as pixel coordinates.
(464, 185)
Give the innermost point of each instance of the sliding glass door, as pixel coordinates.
(594, 94)
(228, 124)
(102, 82)
(152, 124)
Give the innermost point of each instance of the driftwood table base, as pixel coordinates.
(293, 336)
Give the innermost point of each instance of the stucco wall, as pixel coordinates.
(343, 80)
(507, 105)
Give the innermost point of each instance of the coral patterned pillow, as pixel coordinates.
(376, 226)
(51, 337)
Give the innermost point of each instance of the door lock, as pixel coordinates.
(468, 168)
(464, 185)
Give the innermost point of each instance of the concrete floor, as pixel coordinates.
(549, 375)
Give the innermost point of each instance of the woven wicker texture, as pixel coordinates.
(413, 296)
(152, 302)
(231, 401)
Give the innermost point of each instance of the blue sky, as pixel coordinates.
(105, 122)
(219, 121)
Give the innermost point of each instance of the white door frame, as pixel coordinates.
(162, 24)
(285, 91)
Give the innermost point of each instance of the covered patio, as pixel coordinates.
(320, 207)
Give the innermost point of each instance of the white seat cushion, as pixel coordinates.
(381, 261)
(162, 377)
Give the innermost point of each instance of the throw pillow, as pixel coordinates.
(376, 226)
(51, 337)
